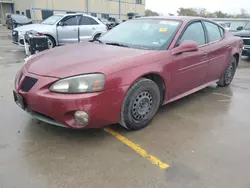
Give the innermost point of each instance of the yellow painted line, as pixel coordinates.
(138, 149)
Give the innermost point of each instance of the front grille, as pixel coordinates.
(15, 36)
(28, 83)
(246, 41)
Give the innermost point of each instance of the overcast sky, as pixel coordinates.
(165, 6)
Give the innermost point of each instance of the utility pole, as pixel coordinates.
(87, 6)
(119, 9)
(2, 17)
(33, 10)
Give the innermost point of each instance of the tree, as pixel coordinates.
(150, 13)
(243, 13)
(220, 14)
(202, 12)
(187, 12)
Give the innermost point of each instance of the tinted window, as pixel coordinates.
(88, 21)
(213, 32)
(194, 32)
(70, 21)
(93, 22)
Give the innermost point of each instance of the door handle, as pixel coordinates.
(228, 46)
(93, 28)
(74, 29)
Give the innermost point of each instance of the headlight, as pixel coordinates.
(79, 84)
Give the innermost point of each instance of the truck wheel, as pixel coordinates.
(229, 73)
(140, 104)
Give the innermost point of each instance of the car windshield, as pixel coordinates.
(52, 20)
(20, 18)
(247, 26)
(151, 34)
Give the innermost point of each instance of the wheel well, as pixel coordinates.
(51, 38)
(160, 83)
(237, 57)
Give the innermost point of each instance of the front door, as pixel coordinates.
(190, 68)
(67, 31)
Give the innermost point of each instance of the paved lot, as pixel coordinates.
(203, 137)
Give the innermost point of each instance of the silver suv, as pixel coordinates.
(63, 29)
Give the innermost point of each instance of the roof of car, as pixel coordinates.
(73, 14)
(180, 18)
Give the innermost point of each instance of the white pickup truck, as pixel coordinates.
(63, 29)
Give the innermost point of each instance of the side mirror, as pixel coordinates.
(185, 46)
(239, 28)
(61, 24)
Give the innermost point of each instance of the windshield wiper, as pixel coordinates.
(117, 44)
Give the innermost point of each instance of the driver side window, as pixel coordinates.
(194, 32)
(70, 21)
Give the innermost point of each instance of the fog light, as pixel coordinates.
(81, 118)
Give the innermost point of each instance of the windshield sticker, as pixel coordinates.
(163, 29)
(169, 23)
(156, 43)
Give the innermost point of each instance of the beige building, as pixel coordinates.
(41, 9)
(6, 6)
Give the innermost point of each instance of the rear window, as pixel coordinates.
(153, 34)
(20, 18)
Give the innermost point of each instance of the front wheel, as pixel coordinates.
(229, 73)
(51, 42)
(140, 104)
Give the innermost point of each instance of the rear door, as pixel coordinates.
(190, 68)
(68, 32)
(218, 51)
(87, 28)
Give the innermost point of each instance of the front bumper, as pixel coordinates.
(19, 39)
(103, 108)
(246, 51)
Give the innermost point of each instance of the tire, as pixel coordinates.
(51, 42)
(229, 73)
(140, 104)
(97, 36)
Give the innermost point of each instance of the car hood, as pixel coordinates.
(79, 58)
(243, 33)
(36, 27)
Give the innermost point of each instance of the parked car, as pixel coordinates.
(114, 21)
(16, 20)
(226, 25)
(64, 29)
(106, 22)
(126, 76)
(244, 33)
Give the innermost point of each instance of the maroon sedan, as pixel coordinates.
(127, 74)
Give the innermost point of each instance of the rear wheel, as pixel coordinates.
(229, 73)
(140, 104)
(97, 36)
